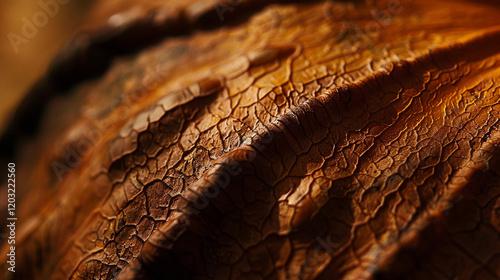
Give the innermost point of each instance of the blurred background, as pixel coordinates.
(49, 23)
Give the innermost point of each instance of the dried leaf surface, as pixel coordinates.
(320, 140)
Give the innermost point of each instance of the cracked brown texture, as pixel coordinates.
(235, 153)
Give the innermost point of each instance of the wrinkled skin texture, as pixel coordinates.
(318, 140)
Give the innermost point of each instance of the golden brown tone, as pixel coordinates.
(252, 140)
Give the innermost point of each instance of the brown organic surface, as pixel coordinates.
(22, 61)
(281, 140)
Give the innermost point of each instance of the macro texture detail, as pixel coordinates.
(268, 140)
